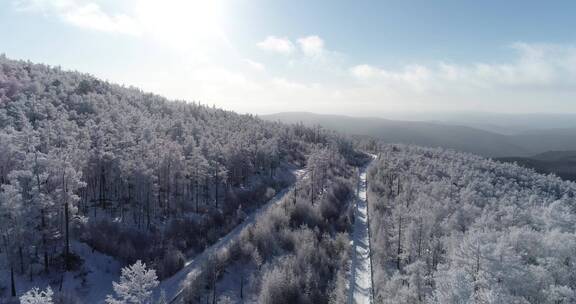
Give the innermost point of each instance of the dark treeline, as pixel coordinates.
(450, 227)
(130, 173)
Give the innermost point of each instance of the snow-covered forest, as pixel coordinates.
(297, 252)
(135, 176)
(450, 227)
(112, 195)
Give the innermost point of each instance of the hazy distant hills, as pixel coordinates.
(433, 134)
(561, 163)
(502, 123)
(540, 141)
(556, 156)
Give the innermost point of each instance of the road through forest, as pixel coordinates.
(173, 286)
(360, 288)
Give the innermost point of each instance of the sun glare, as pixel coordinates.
(183, 23)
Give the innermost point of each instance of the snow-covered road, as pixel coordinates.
(173, 285)
(360, 288)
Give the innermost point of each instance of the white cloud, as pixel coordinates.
(365, 71)
(282, 83)
(255, 65)
(277, 44)
(183, 25)
(538, 74)
(312, 46)
(84, 14)
(536, 67)
(411, 77)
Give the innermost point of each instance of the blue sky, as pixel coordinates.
(344, 57)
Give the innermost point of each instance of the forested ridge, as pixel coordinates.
(451, 227)
(133, 175)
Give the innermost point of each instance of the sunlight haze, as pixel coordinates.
(335, 57)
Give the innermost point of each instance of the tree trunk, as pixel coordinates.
(242, 287)
(399, 252)
(148, 207)
(42, 220)
(102, 187)
(206, 194)
(216, 181)
(44, 244)
(214, 289)
(12, 283)
(196, 189)
(21, 259)
(67, 228)
(44, 241)
(66, 223)
(312, 188)
(168, 184)
(420, 228)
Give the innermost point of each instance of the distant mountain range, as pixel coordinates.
(561, 163)
(435, 134)
(503, 123)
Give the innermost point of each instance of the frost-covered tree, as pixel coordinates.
(136, 285)
(37, 296)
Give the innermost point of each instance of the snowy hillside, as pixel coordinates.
(130, 174)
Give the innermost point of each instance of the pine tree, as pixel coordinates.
(135, 286)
